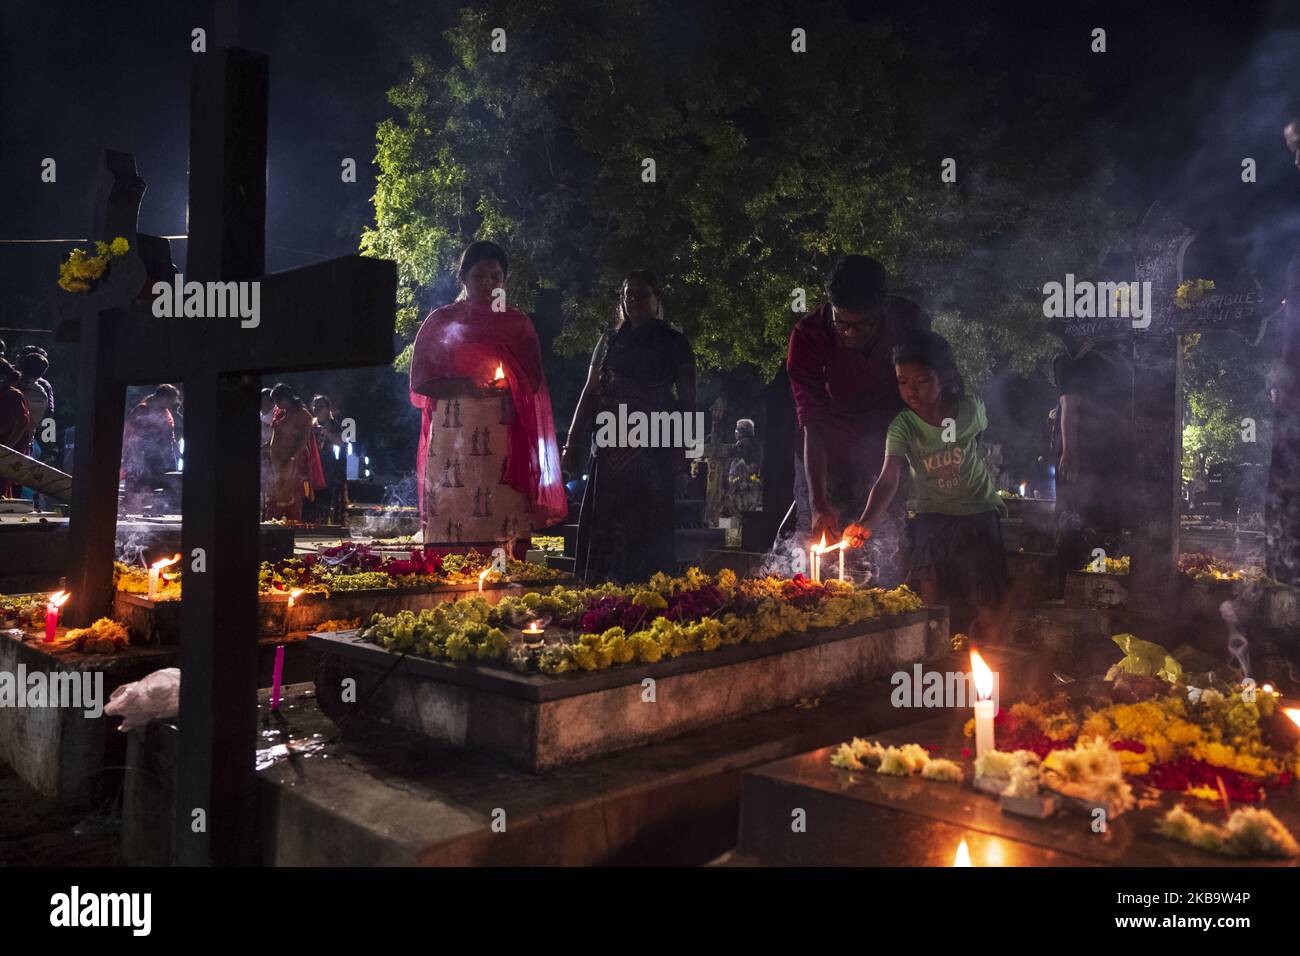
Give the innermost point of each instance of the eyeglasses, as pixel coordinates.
(850, 327)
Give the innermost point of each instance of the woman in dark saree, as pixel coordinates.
(625, 531)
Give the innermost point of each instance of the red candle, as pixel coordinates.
(57, 600)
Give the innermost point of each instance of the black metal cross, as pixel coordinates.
(335, 314)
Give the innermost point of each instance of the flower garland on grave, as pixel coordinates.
(80, 271)
(1148, 735)
(609, 625)
(352, 568)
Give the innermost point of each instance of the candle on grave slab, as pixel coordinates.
(155, 574)
(276, 675)
(534, 629)
(56, 601)
(985, 707)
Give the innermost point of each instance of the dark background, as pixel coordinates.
(1184, 93)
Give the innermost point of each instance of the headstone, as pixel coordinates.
(333, 314)
(1157, 392)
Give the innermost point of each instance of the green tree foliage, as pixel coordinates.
(1224, 382)
(768, 163)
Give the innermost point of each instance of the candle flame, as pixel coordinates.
(821, 547)
(59, 598)
(983, 675)
(963, 854)
(1293, 713)
(1267, 688)
(295, 594)
(165, 562)
(500, 373)
(483, 575)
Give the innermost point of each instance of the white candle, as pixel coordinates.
(153, 582)
(481, 577)
(985, 707)
(841, 561)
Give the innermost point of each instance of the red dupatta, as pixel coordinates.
(465, 340)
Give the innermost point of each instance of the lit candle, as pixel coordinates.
(534, 629)
(276, 673)
(499, 379)
(815, 558)
(984, 705)
(294, 595)
(155, 574)
(962, 858)
(1293, 713)
(481, 577)
(57, 600)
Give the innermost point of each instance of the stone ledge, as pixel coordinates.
(540, 722)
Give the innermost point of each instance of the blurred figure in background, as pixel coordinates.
(32, 364)
(331, 505)
(295, 460)
(15, 419)
(149, 447)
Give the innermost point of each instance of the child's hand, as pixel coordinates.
(857, 535)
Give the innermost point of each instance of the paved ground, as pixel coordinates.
(35, 832)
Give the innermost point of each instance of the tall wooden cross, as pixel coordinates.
(1157, 393)
(335, 314)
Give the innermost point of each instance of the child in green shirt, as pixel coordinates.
(957, 553)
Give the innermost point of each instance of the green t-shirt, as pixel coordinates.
(948, 477)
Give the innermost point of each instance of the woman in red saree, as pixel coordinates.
(295, 470)
(488, 465)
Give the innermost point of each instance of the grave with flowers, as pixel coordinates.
(1152, 764)
(548, 679)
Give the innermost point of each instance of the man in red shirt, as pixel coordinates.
(840, 364)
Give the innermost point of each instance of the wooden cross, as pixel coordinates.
(1157, 393)
(334, 314)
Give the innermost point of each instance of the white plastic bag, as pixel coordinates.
(157, 695)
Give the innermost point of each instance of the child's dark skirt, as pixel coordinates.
(962, 554)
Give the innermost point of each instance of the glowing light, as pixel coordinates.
(336, 452)
(56, 601)
(294, 595)
(500, 373)
(983, 675)
(534, 629)
(155, 574)
(1293, 713)
(482, 577)
(962, 857)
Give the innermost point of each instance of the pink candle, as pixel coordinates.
(275, 677)
(57, 600)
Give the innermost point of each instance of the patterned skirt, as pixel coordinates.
(465, 500)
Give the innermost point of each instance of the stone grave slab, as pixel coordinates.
(890, 821)
(60, 752)
(540, 721)
(389, 796)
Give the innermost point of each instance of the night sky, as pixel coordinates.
(1185, 92)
